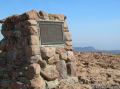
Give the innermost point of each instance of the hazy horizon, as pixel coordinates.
(93, 23)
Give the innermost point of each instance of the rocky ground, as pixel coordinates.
(99, 70)
(94, 71)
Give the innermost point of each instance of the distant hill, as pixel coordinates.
(85, 49)
(92, 49)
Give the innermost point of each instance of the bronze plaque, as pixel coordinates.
(51, 33)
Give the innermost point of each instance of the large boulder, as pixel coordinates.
(50, 73)
(54, 59)
(47, 52)
(33, 30)
(71, 56)
(30, 15)
(61, 67)
(43, 15)
(63, 56)
(72, 68)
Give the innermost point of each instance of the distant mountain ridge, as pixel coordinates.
(92, 49)
(84, 49)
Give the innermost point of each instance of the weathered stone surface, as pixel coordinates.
(33, 30)
(72, 69)
(16, 33)
(32, 50)
(35, 59)
(30, 15)
(70, 83)
(27, 63)
(59, 17)
(47, 52)
(52, 84)
(12, 20)
(67, 36)
(54, 59)
(50, 73)
(33, 70)
(60, 50)
(34, 40)
(43, 15)
(42, 63)
(37, 83)
(71, 56)
(6, 33)
(11, 54)
(70, 86)
(30, 22)
(65, 30)
(63, 56)
(61, 67)
(68, 43)
(65, 25)
(70, 80)
(68, 48)
(3, 44)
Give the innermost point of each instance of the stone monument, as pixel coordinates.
(37, 52)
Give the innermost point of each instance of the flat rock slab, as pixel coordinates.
(61, 67)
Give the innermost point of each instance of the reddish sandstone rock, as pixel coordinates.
(33, 30)
(33, 70)
(50, 73)
(37, 83)
(43, 15)
(59, 17)
(72, 68)
(60, 50)
(35, 59)
(47, 52)
(30, 22)
(34, 40)
(63, 56)
(30, 15)
(32, 50)
(71, 56)
(54, 59)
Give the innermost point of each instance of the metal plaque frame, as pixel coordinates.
(51, 32)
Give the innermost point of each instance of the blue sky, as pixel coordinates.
(91, 22)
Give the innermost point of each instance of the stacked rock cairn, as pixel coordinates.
(25, 64)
